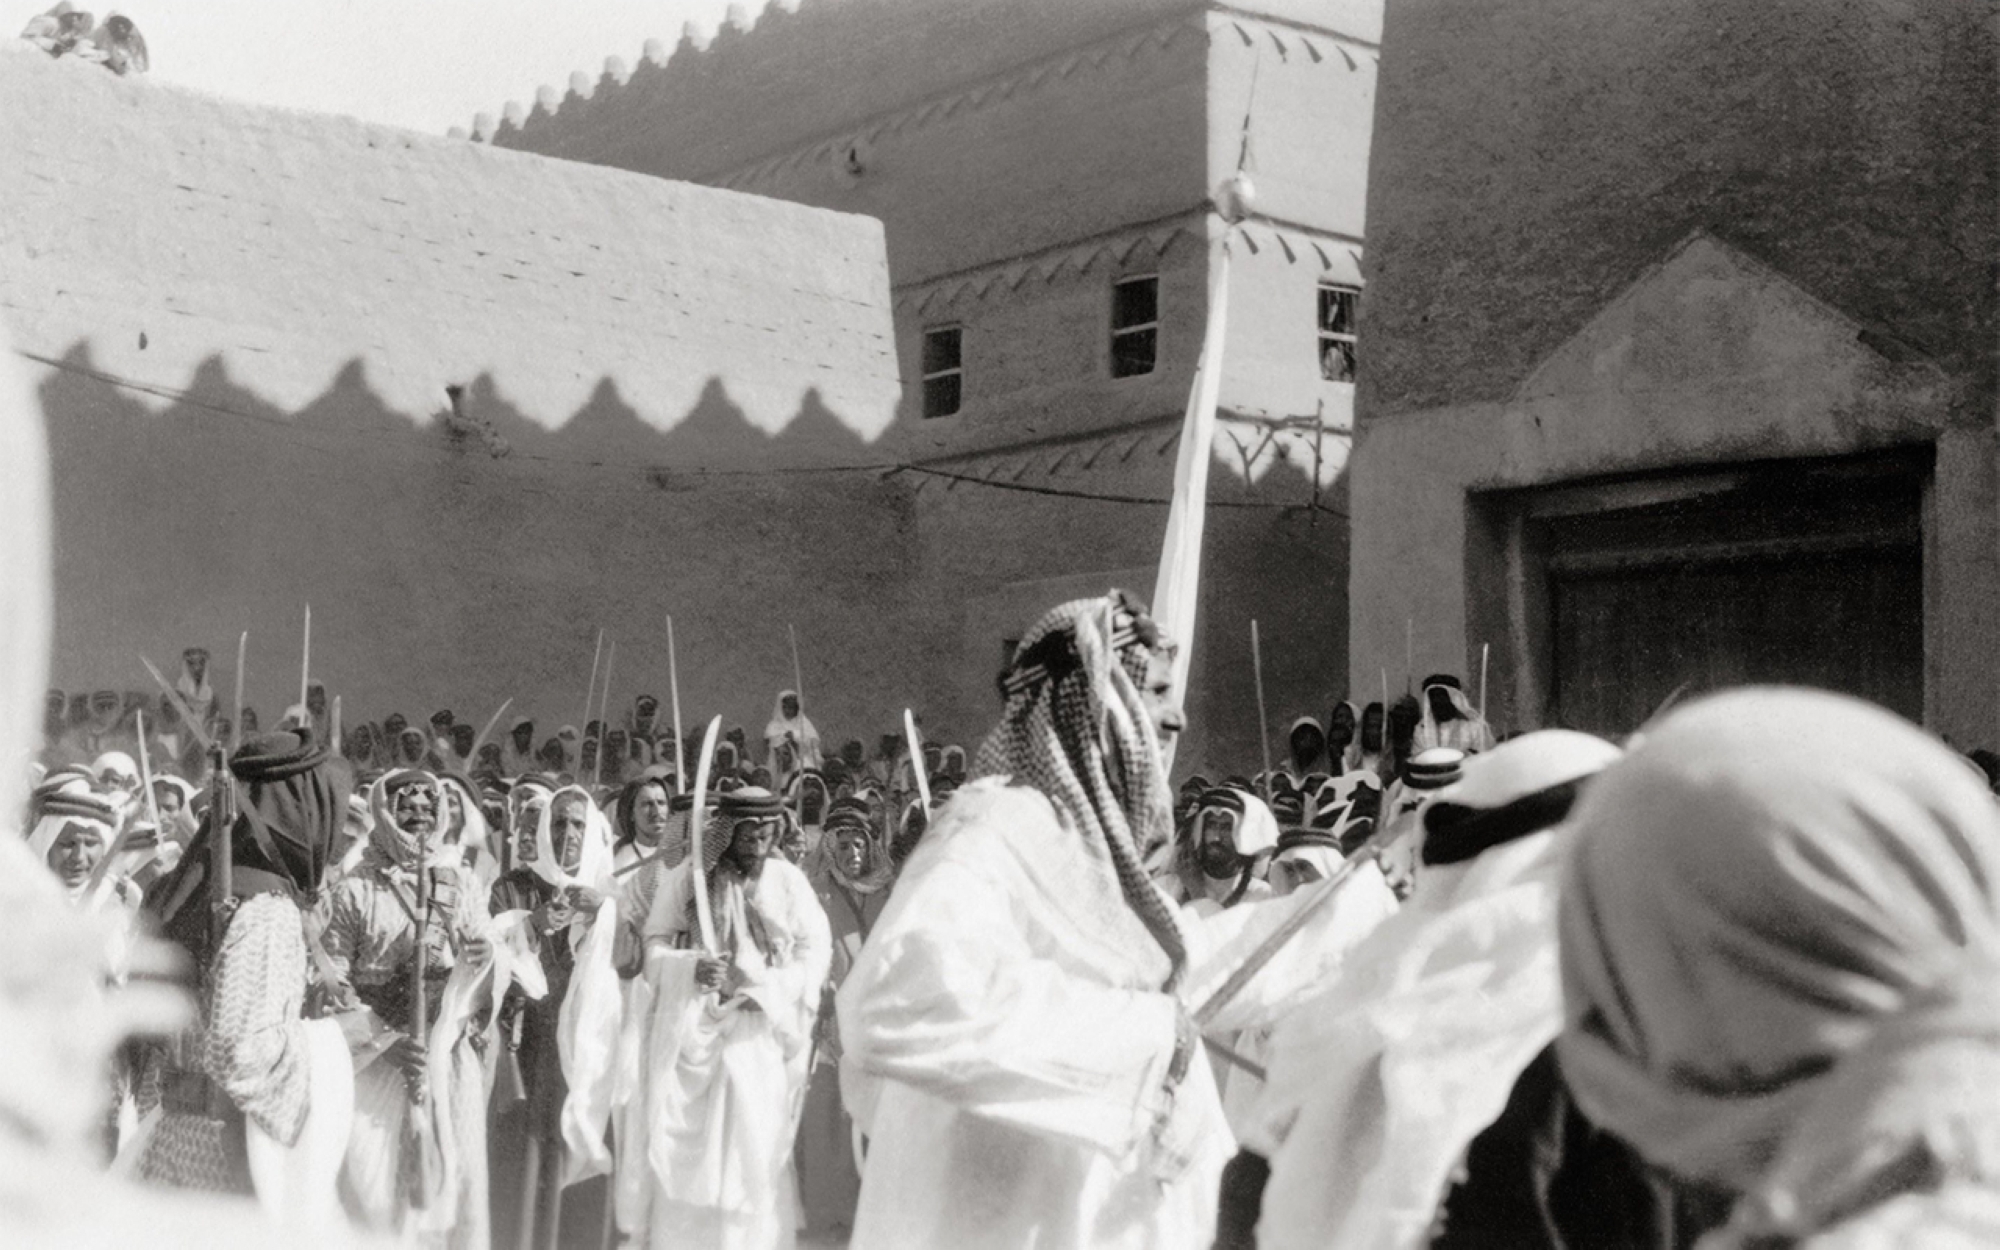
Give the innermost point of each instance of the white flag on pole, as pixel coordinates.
(1178, 588)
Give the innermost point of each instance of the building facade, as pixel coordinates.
(1047, 176)
(471, 405)
(1682, 355)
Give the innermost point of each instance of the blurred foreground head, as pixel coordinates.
(1781, 958)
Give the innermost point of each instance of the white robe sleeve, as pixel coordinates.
(1219, 943)
(949, 997)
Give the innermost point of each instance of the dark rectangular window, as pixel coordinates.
(1135, 326)
(1337, 308)
(944, 370)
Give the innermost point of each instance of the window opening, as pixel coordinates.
(1338, 306)
(944, 370)
(1135, 326)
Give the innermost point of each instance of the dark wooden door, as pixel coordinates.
(1804, 576)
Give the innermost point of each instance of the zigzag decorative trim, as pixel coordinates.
(1298, 244)
(978, 96)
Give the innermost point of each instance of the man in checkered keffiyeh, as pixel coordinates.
(1018, 999)
(1080, 726)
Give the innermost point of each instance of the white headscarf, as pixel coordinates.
(1468, 732)
(594, 868)
(123, 778)
(387, 840)
(1781, 957)
(74, 802)
(799, 727)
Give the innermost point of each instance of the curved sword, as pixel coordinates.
(697, 818)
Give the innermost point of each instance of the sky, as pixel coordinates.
(425, 64)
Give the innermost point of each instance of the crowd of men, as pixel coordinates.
(1731, 982)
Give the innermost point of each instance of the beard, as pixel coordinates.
(1219, 860)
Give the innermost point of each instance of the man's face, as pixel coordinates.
(115, 778)
(169, 800)
(104, 711)
(462, 737)
(790, 705)
(526, 820)
(249, 721)
(566, 827)
(1291, 874)
(75, 852)
(850, 849)
(854, 754)
(411, 744)
(316, 701)
(1440, 701)
(524, 737)
(1306, 745)
(749, 845)
(52, 710)
(649, 815)
(1157, 694)
(197, 664)
(395, 724)
(1216, 851)
(1341, 726)
(415, 808)
(1371, 728)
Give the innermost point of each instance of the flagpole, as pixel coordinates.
(1177, 588)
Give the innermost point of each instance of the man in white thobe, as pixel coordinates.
(1019, 1048)
(727, 1052)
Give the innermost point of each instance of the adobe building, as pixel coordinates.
(1681, 356)
(1046, 174)
(470, 404)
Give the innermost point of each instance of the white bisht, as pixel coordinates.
(717, 1085)
(1007, 1041)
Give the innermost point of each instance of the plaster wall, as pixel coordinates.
(440, 576)
(1711, 359)
(1614, 238)
(242, 323)
(1265, 558)
(1533, 157)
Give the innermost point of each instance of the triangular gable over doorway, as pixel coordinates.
(1707, 312)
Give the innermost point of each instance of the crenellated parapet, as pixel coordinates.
(806, 81)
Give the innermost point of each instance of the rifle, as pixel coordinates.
(221, 830)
